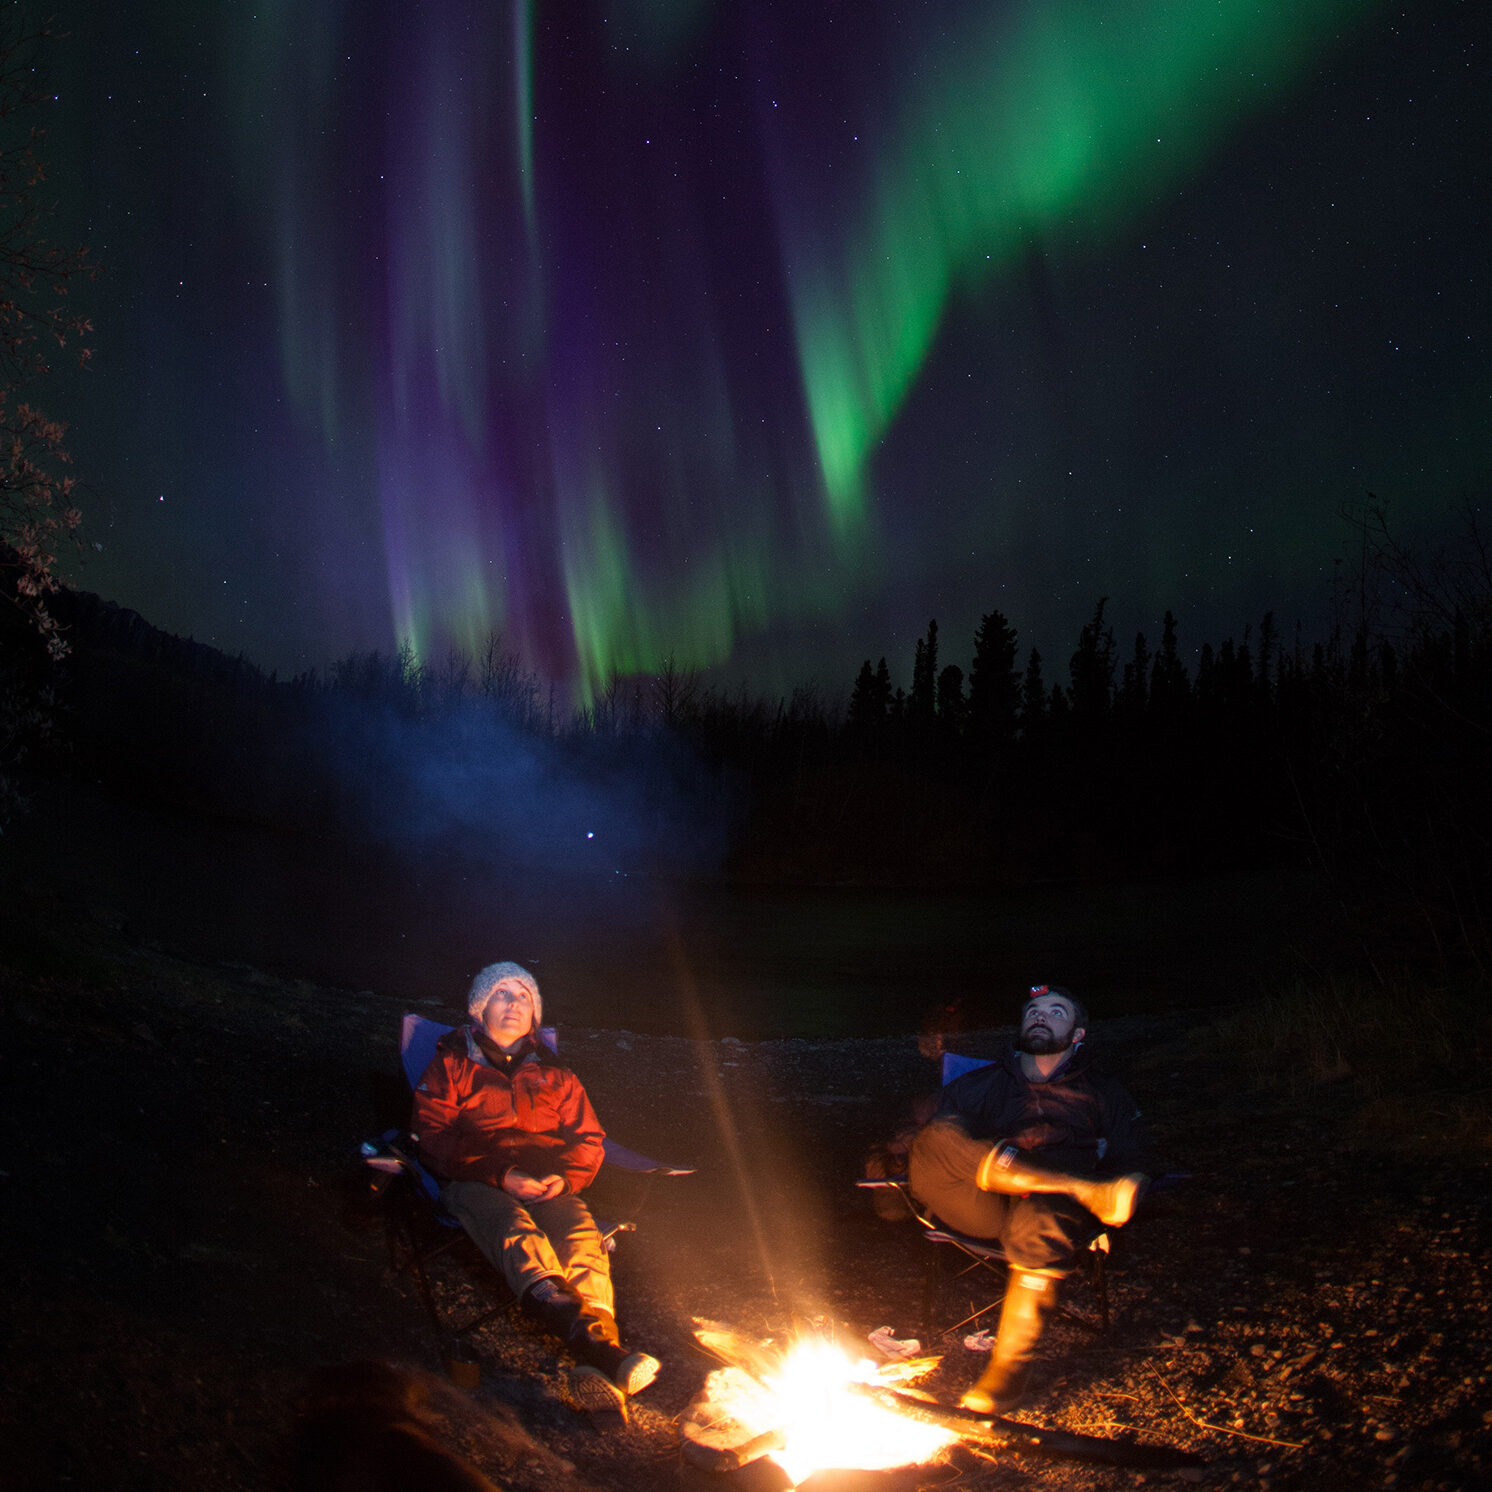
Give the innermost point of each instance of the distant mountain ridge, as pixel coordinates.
(91, 622)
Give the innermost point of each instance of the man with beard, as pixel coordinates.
(1035, 1150)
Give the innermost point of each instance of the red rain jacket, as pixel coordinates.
(473, 1123)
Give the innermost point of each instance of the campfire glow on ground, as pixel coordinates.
(808, 1395)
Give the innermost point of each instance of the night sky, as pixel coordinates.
(758, 332)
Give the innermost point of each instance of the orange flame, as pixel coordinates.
(808, 1396)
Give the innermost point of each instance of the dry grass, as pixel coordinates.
(1409, 1059)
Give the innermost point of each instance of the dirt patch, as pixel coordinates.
(187, 1243)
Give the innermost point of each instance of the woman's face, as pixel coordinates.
(508, 1015)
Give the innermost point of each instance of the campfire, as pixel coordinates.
(813, 1406)
(810, 1405)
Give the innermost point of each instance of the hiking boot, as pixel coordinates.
(591, 1334)
(635, 1372)
(631, 1372)
(595, 1395)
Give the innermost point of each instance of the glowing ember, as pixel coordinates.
(806, 1393)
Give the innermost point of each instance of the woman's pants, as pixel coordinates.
(531, 1241)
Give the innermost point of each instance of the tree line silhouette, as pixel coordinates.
(1358, 758)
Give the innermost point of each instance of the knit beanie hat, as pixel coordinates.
(493, 975)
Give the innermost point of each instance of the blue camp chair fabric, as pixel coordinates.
(955, 1066)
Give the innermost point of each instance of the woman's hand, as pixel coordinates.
(528, 1188)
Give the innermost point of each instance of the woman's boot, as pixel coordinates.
(590, 1333)
(594, 1340)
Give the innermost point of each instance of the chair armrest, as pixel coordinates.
(392, 1153)
(632, 1160)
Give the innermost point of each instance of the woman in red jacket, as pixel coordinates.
(514, 1140)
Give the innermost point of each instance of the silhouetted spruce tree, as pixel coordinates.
(1092, 670)
(1268, 661)
(994, 684)
(1168, 683)
(952, 706)
(1207, 683)
(1134, 690)
(1033, 699)
(1225, 681)
(922, 704)
(870, 700)
(1292, 691)
(1241, 675)
(860, 711)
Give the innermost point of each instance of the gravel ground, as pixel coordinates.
(188, 1245)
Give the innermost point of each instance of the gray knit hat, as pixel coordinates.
(493, 975)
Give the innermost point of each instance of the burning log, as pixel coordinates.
(697, 1452)
(811, 1408)
(727, 1345)
(1004, 1434)
(787, 1401)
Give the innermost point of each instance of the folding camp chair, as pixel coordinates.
(421, 1228)
(981, 1254)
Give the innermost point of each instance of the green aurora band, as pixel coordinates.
(1061, 117)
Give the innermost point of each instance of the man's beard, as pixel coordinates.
(1041, 1041)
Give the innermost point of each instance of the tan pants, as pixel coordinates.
(1042, 1234)
(531, 1241)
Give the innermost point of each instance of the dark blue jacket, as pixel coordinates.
(1080, 1120)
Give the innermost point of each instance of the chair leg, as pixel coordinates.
(415, 1263)
(983, 1310)
(935, 1274)
(404, 1235)
(1101, 1285)
(483, 1317)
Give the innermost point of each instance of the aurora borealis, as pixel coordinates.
(756, 334)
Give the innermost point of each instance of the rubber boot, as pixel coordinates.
(1030, 1299)
(1006, 1169)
